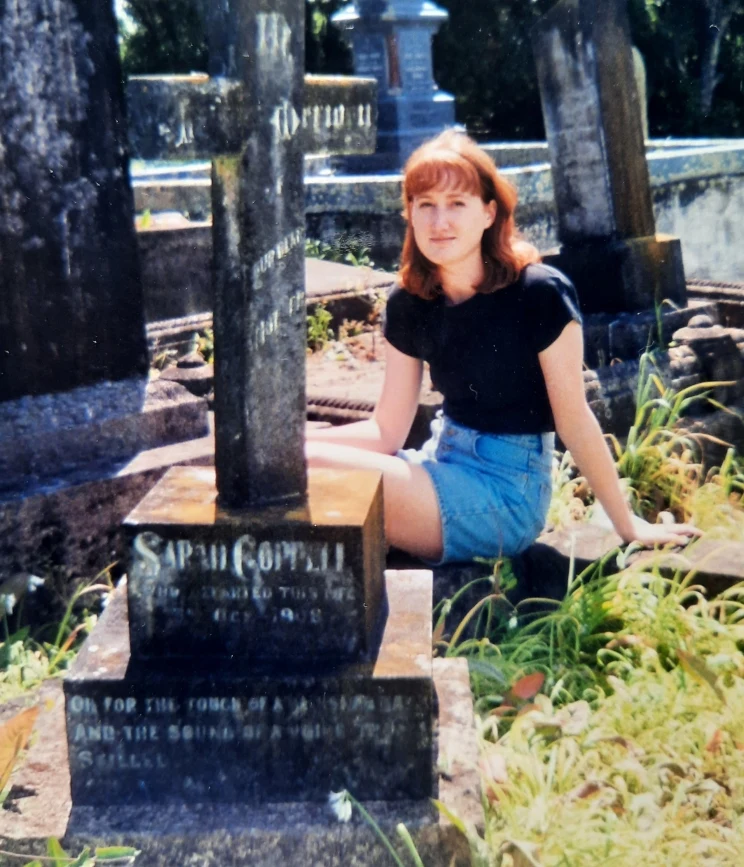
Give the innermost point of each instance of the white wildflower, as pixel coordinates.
(340, 803)
(8, 602)
(33, 583)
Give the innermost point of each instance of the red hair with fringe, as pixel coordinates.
(453, 160)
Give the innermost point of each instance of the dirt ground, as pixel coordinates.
(354, 369)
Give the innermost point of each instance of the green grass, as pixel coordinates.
(29, 654)
(611, 721)
(659, 462)
(346, 251)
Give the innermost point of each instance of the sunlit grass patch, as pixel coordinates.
(659, 462)
(612, 726)
(653, 776)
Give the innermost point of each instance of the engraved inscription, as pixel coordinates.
(267, 727)
(319, 118)
(251, 579)
(416, 62)
(121, 760)
(369, 60)
(365, 116)
(245, 558)
(278, 252)
(185, 127)
(242, 718)
(265, 329)
(295, 302)
(285, 121)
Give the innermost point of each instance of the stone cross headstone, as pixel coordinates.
(391, 42)
(258, 212)
(595, 136)
(263, 658)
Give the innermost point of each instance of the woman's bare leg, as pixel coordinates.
(412, 519)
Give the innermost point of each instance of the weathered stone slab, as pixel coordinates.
(184, 116)
(593, 121)
(46, 438)
(624, 275)
(70, 292)
(339, 115)
(153, 733)
(185, 252)
(272, 583)
(71, 527)
(717, 564)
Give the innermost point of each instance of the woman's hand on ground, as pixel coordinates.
(650, 535)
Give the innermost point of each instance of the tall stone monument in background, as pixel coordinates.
(606, 226)
(391, 42)
(70, 293)
(75, 400)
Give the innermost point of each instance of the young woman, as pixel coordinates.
(502, 335)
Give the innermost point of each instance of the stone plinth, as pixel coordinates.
(624, 275)
(269, 584)
(70, 290)
(157, 733)
(264, 835)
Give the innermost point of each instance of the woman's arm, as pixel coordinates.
(580, 432)
(388, 428)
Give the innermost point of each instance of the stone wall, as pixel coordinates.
(698, 195)
(697, 189)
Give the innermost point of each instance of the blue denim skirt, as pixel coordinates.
(493, 489)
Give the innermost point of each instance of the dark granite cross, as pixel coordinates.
(256, 121)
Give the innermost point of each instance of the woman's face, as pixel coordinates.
(448, 225)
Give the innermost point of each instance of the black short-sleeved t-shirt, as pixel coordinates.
(483, 352)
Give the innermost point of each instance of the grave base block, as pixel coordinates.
(284, 584)
(291, 834)
(238, 733)
(617, 276)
